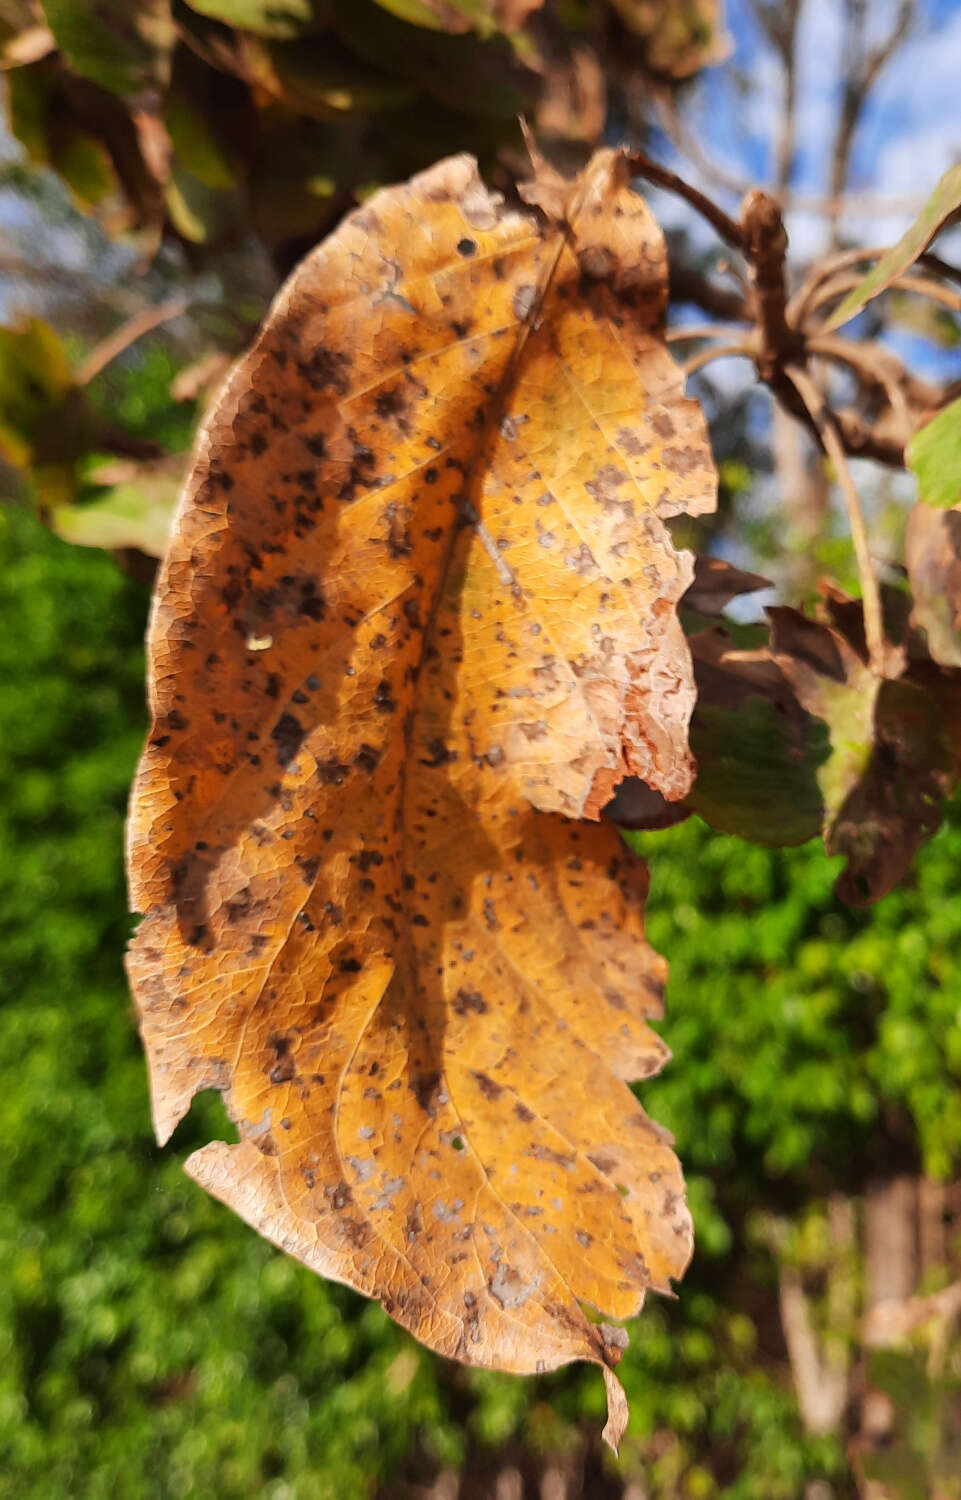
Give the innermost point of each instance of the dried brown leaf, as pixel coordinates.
(420, 601)
(933, 556)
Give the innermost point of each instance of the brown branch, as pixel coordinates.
(765, 245)
(743, 349)
(873, 365)
(860, 75)
(779, 346)
(922, 286)
(832, 441)
(688, 285)
(830, 265)
(704, 331)
(642, 166)
(128, 333)
(779, 22)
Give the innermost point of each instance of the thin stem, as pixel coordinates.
(128, 333)
(704, 331)
(727, 228)
(720, 351)
(921, 286)
(872, 365)
(827, 429)
(826, 269)
(689, 286)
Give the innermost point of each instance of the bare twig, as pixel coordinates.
(688, 285)
(831, 265)
(765, 245)
(743, 348)
(831, 438)
(704, 331)
(128, 333)
(860, 72)
(779, 22)
(872, 364)
(727, 228)
(922, 286)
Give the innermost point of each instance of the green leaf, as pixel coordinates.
(281, 19)
(458, 16)
(323, 80)
(467, 74)
(202, 214)
(85, 166)
(134, 512)
(35, 378)
(833, 683)
(757, 779)
(944, 201)
(295, 172)
(124, 47)
(934, 455)
(45, 127)
(441, 15)
(196, 145)
(29, 95)
(897, 802)
(801, 737)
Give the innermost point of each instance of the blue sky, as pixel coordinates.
(909, 134)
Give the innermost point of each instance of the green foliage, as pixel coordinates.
(934, 454)
(802, 1023)
(152, 1344)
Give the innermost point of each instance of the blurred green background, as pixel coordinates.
(167, 162)
(152, 1345)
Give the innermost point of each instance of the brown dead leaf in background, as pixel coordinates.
(716, 583)
(932, 548)
(420, 601)
(680, 36)
(797, 736)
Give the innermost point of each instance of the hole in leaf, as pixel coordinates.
(206, 1120)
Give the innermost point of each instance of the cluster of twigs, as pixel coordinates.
(782, 332)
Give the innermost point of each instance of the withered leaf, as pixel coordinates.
(419, 602)
(680, 36)
(932, 553)
(799, 737)
(758, 750)
(716, 582)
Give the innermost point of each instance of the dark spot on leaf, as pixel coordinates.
(288, 734)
